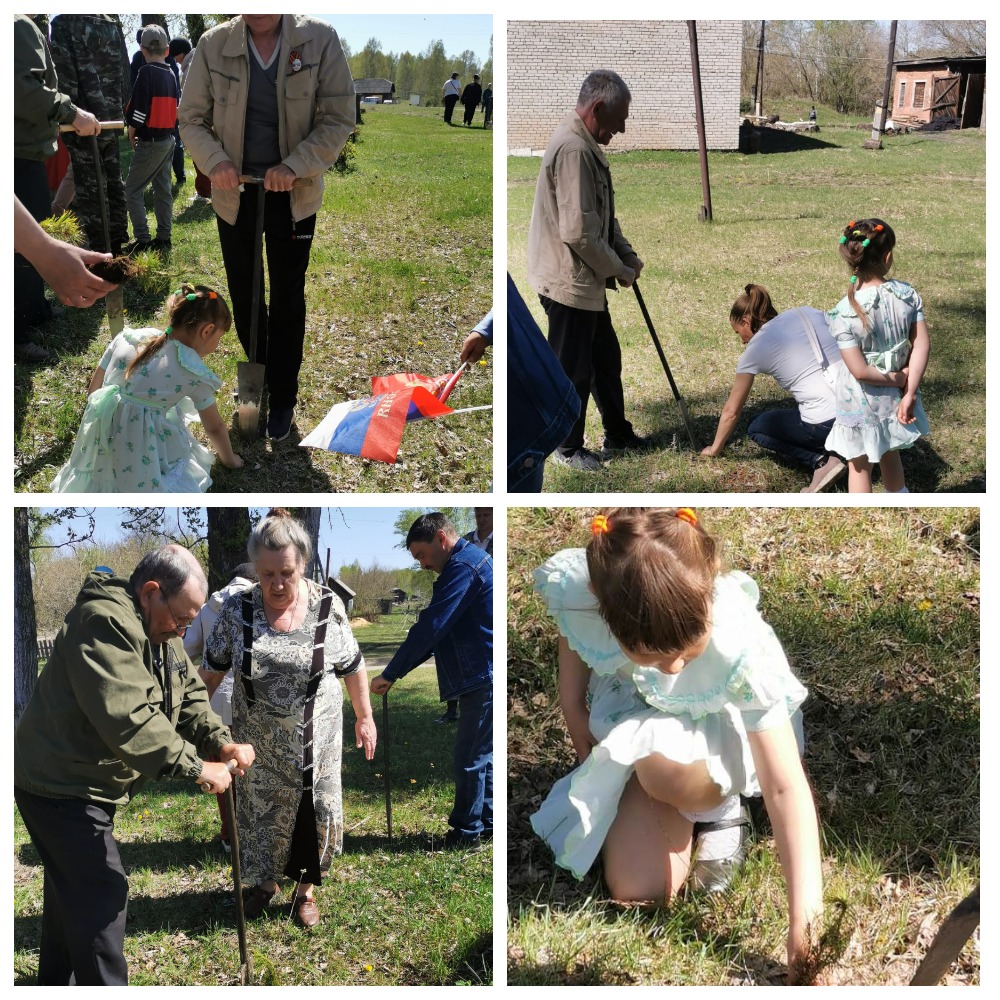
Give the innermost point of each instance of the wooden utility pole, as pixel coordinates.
(705, 211)
(881, 111)
(756, 97)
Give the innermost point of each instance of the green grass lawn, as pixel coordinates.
(408, 913)
(383, 637)
(400, 272)
(777, 219)
(878, 613)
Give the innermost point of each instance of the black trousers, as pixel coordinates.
(470, 110)
(588, 350)
(86, 892)
(449, 106)
(282, 327)
(177, 162)
(31, 308)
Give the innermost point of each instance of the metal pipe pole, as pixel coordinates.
(705, 212)
(385, 761)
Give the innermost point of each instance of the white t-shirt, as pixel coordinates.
(452, 87)
(781, 348)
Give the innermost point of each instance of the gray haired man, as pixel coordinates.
(117, 703)
(576, 251)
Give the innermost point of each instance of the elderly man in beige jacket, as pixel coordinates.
(269, 95)
(576, 251)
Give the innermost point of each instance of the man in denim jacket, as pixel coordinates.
(457, 627)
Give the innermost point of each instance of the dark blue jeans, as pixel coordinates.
(473, 812)
(787, 434)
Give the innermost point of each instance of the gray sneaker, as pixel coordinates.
(715, 875)
(581, 459)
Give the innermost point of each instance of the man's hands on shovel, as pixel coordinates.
(236, 759)
(380, 685)
(225, 177)
(633, 268)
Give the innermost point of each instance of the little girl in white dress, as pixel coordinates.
(678, 699)
(880, 328)
(147, 389)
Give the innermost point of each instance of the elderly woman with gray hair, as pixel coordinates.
(288, 641)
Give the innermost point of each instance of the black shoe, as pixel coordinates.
(582, 460)
(30, 353)
(279, 424)
(619, 446)
(161, 247)
(454, 841)
(715, 875)
(136, 246)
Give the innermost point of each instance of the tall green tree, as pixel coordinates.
(228, 533)
(463, 518)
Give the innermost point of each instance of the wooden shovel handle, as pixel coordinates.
(104, 126)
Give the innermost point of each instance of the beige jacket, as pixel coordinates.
(315, 118)
(575, 247)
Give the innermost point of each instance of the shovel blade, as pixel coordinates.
(249, 390)
(687, 421)
(114, 303)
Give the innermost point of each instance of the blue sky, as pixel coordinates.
(414, 32)
(362, 533)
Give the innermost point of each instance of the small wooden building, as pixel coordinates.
(374, 87)
(343, 592)
(940, 89)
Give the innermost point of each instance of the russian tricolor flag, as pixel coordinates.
(373, 427)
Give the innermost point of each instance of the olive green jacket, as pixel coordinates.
(39, 106)
(575, 246)
(111, 710)
(316, 106)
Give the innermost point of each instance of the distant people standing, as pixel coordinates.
(179, 50)
(151, 117)
(812, 114)
(488, 106)
(93, 68)
(452, 90)
(471, 97)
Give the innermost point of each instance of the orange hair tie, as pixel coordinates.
(599, 526)
(686, 514)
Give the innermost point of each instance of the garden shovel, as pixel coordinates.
(115, 299)
(250, 374)
(385, 762)
(246, 963)
(666, 367)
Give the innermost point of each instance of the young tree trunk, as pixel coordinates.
(228, 531)
(25, 628)
(309, 516)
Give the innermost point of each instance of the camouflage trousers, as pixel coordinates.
(87, 204)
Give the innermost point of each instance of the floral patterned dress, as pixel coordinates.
(866, 422)
(741, 683)
(134, 436)
(288, 704)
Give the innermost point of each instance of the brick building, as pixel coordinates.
(548, 60)
(943, 87)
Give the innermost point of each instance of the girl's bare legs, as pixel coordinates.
(647, 852)
(892, 472)
(859, 475)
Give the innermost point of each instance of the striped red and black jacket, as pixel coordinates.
(152, 109)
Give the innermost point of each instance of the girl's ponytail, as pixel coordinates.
(866, 244)
(754, 304)
(188, 306)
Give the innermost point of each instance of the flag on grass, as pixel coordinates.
(436, 386)
(373, 427)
